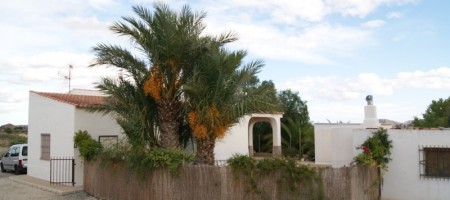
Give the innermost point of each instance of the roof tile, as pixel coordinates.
(79, 101)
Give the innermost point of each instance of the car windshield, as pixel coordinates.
(25, 151)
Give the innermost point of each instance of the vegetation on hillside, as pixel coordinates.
(13, 134)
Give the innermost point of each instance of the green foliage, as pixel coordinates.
(297, 132)
(242, 163)
(293, 174)
(376, 150)
(297, 139)
(8, 130)
(143, 161)
(88, 147)
(262, 137)
(436, 115)
(218, 97)
(18, 140)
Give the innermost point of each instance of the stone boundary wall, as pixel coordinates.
(116, 182)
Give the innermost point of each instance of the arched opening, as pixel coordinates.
(262, 138)
(273, 121)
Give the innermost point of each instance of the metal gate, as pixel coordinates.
(62, 171)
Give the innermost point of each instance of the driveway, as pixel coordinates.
(10, 189)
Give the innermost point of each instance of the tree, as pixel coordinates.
(436, 115)
(294, 107)
(217, 97)
(297, 139)
(8, 130)
(134, 111)
(170, 44)
(297, 131)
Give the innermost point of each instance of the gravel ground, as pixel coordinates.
(13, 190)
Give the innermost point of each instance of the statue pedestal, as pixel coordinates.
(370, 117)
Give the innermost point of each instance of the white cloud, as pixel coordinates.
(307, 45)
(89, 25)
(286, 11)
(333, 88)
(374, 24)
(361, 8)
(434, 79)
(394, 15)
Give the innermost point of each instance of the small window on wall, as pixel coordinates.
(435, 162)
(108, 141)
(45, 146)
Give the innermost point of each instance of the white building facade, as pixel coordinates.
(53, 120)
(420, 166)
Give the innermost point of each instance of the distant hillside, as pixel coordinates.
(12, 134)
(11, 128)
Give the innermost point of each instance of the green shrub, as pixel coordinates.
(376, 150)
(143, 160)
(88, 147)
(292, 172)
(18, 140)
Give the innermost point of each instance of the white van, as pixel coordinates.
(16, 159)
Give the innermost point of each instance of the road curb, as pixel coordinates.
(44, 187)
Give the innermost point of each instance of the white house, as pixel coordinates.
(420, 166)
(53, 120)
(55, 117)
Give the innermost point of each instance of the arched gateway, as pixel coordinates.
(274, 120)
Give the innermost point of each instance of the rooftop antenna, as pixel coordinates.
(68, 77)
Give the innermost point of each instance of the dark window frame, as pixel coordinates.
(100, 137)
(45, 146)
(434, 162)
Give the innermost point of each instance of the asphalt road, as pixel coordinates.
(10, 189)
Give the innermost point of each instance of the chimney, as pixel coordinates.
(370, 115)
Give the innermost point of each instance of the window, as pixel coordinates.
(108, 141)
(25, 151)
(435, 162)
(13, 152)
(45, 146)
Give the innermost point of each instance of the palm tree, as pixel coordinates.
(217, 97)
(297, 138)
(171, 45)
(134, 111)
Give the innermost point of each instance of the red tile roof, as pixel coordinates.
(79, 101)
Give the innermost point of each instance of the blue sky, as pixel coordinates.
(333, 53)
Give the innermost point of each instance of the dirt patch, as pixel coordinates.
(3, 150)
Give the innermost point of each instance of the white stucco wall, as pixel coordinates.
(61, 121)
(235, 141)
(402, 180)
(96, 124)
(52, 117)
(334, 143)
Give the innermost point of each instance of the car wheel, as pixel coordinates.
(16, 170)
(3, 169)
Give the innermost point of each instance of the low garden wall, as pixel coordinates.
(116, 182)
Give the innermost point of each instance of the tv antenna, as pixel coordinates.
(67, 77)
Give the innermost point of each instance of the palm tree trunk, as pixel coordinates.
(205, 151)
(168, 113)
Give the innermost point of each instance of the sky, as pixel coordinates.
(333, 52)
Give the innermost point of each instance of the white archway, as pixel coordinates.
(274, 120)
